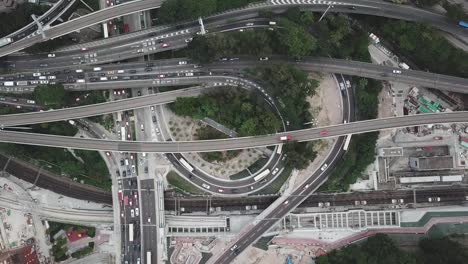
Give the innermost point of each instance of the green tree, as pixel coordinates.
(200, 51)
(72, 168)
(187, 106)
(455, 11)
(298, 154)
(50, 96)
(307, 19)
(296, 40)
(178, 10)
(20, 17)
(248, 127)
(427, 3)
(442, 251)
(378, 249)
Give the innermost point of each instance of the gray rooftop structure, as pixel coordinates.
(431, 163)
(391, 152)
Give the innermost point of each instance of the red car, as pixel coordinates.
(285, 138)
(324, 132)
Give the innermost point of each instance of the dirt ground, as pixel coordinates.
(298, 255)
(326, 109)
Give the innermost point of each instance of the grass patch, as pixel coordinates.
(240, 175)
(181, 184)
(205, 257)
(257, 165)
(263, 242)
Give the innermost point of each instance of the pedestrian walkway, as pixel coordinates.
(221, 128)
(328, 246)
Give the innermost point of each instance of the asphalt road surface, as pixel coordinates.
(234, 143)
(378, 8)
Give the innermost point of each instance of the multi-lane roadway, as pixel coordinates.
(172, 72)
(232, 143)
(378, 8)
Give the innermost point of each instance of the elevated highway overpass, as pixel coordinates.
(378, 8)
(234, 143)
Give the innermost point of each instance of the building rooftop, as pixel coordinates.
(432, 163)
(391, 152)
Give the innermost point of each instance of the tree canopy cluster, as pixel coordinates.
(455, 11)
(381, 249)
(290, 87)
(50, 96)
(235, 108)
(427, 3)
(207, 132)
(361, 150)
(299, 155)
(423, 45)
(172, 11)
(299, 35)
(20, 17)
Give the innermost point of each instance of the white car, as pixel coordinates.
(132, 213)
(324, 167)
(137, 212)
(51, 55)
(152, 108)
(397, 71)
(275, 171)
(285, 203)
(188, 40)
(182, 62)
(205, 186)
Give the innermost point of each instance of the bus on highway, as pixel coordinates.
(126, 29)
(148, 257)
(348, 140)
(122, 132)
(186, 164)
(262, 175)
(104, 30)
(130, 232)
(279, 149)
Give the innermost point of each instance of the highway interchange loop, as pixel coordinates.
(286, 203)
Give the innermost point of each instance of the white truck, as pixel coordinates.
(9, 84)
(403, 65)
(5, 41)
